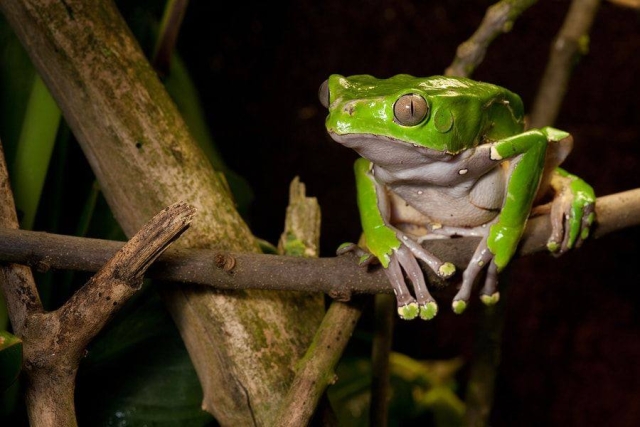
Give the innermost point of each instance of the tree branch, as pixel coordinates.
(301, 238)
(499, 18)
(317, 366)
(336, 276)
(55, 341)
(16, 281)
(385, 311)
(571, 42)
(89, 309)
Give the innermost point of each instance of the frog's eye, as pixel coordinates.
(410, 109)
(323, 94)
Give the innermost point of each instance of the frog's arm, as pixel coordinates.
(571, 215)
(374, 209)
(525, 174)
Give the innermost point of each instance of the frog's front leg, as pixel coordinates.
(572, 211)
(526, 155)
(395, 250)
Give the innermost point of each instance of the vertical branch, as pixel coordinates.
(487, 354)
(16, 281)
(301, 237)
(169, 29)
(385, 305)
(499, 18)
(316, 369)
(570, 44)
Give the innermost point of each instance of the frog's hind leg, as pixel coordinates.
(426, 303)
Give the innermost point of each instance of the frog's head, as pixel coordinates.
(439, 113)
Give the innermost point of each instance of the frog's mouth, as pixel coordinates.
(388, 151)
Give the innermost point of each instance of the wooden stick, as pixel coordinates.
(571, 42)
(336, 276)
(498, 19)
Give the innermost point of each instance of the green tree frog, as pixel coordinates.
(442, 157)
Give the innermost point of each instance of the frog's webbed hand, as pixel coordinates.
(572, 212)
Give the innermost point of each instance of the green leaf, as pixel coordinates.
(16, 80)
(138, 373)
(420, 391)
(10, 359)
(33, 153)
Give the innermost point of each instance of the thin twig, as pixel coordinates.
(479, 394)
(301, 238)
(499, 18)
(385, 309)
(336, 276)
(169, 29)
(317, 366)
(570, 44)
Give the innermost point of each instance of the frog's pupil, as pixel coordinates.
(410, 109)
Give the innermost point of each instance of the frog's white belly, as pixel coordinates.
(466, 204)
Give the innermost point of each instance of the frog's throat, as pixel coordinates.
(368, 145)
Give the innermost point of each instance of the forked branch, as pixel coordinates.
(498, 19)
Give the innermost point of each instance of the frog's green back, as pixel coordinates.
(462, 112)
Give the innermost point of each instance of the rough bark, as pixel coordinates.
(243, 344)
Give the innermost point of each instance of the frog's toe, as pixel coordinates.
(577, 226)
(588, 216)
(409, 311)
(489, 294)
(490, 299)
(459, 306)
(429, 310)
(446, 270)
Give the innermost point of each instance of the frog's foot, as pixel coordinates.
(364, 258)
(482, 258)
(423, 305)
(572, 212)
(407, 305)
(426, 304)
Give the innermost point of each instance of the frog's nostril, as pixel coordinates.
(349, 108)
(323, 94)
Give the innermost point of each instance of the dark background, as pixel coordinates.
(571, 348)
